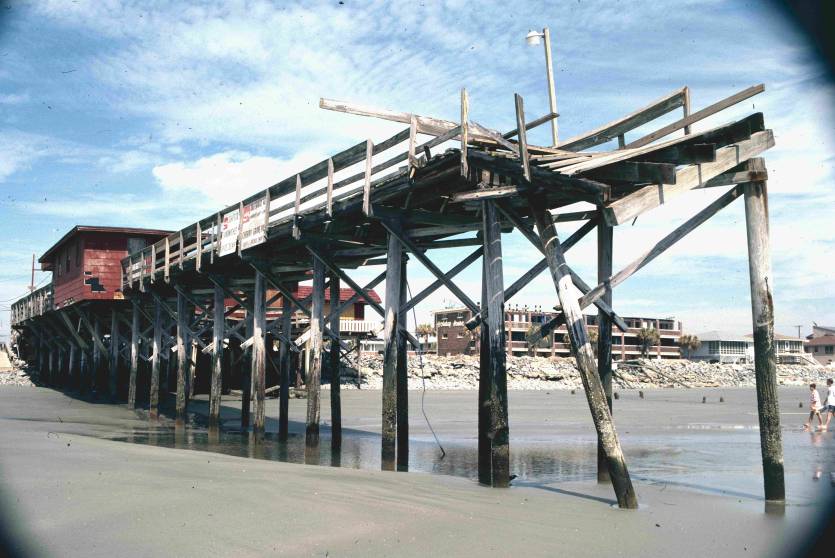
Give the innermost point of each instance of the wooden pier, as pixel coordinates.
(436, 184)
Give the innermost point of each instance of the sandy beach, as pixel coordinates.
(73, 487)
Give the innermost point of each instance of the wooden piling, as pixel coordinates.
(765, 362)
(218, 332)
(394, 260)
(97, 356)
(156, 351)
(284, 364)
(334, 367)
(182, 358)
(113, 375)
(314, 378)
(134, 354)
(499, 432)
(402, 384)
(259, 356)
(72, 369)
(484, 451)
(605, 237)
(584, 355)
(246, 375)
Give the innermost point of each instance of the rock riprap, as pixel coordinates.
(524, 372)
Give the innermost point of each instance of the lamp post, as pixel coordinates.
(533, 38)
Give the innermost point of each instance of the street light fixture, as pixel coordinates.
(533, 38)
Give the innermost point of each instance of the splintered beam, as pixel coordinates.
(688, 178)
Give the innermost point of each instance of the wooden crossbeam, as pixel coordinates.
(688, 178)
(635, 172)
(65, 319)
(90, 329)
(536, 270)
(534, 239)
(458, 268)
(335, 269)
(395, 230)
(752, 170)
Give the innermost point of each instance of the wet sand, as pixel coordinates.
(71, 486)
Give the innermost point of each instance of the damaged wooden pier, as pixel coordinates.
(215, 298)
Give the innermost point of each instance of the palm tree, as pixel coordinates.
(593, 337)
(690, 343)
(424, 331)
(647, 337)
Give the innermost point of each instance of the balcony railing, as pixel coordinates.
(33, 305)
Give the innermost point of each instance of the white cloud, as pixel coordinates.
(14, 98)
(226, 177)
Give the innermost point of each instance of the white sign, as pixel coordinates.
(253, 224)
(229, 232)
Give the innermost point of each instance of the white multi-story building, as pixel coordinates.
(723, 346)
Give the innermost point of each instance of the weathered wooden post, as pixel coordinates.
(97, 356)
(499, 432)
(402, 376)
(83, 372)
(182, 369)
(259, 353)
(72, 369)
(314, 377)
(134, 353)
(765, 363)
(394, 259)
(246, 374)
(218, 332)
(334, 365)
(284, 364)
(156, 350)
(605, 239)
(584, 355)
(113, 376)
(485, 475)
(58, 380)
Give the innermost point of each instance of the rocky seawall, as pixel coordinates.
(461, 372)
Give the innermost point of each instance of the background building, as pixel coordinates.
(454, 338)
(820, 345)
(723, 346)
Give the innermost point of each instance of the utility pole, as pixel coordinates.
(798, 330)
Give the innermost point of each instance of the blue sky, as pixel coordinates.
(114, 114)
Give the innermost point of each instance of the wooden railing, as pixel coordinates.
(311, 190)
(33, 305)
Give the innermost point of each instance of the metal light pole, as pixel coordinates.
(533, 38)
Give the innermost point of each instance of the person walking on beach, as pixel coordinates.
(814, 407)
(829, 408)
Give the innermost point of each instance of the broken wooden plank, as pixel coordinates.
(687, 178)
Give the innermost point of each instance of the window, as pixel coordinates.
(78, 253)
(444, 335)
(460, 334)
(815, 349)
(67, 259)
(713, 347)
(828, 349)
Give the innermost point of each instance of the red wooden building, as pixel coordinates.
(86, 262)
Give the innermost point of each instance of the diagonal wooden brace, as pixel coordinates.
(394, 229)
(533, 238)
